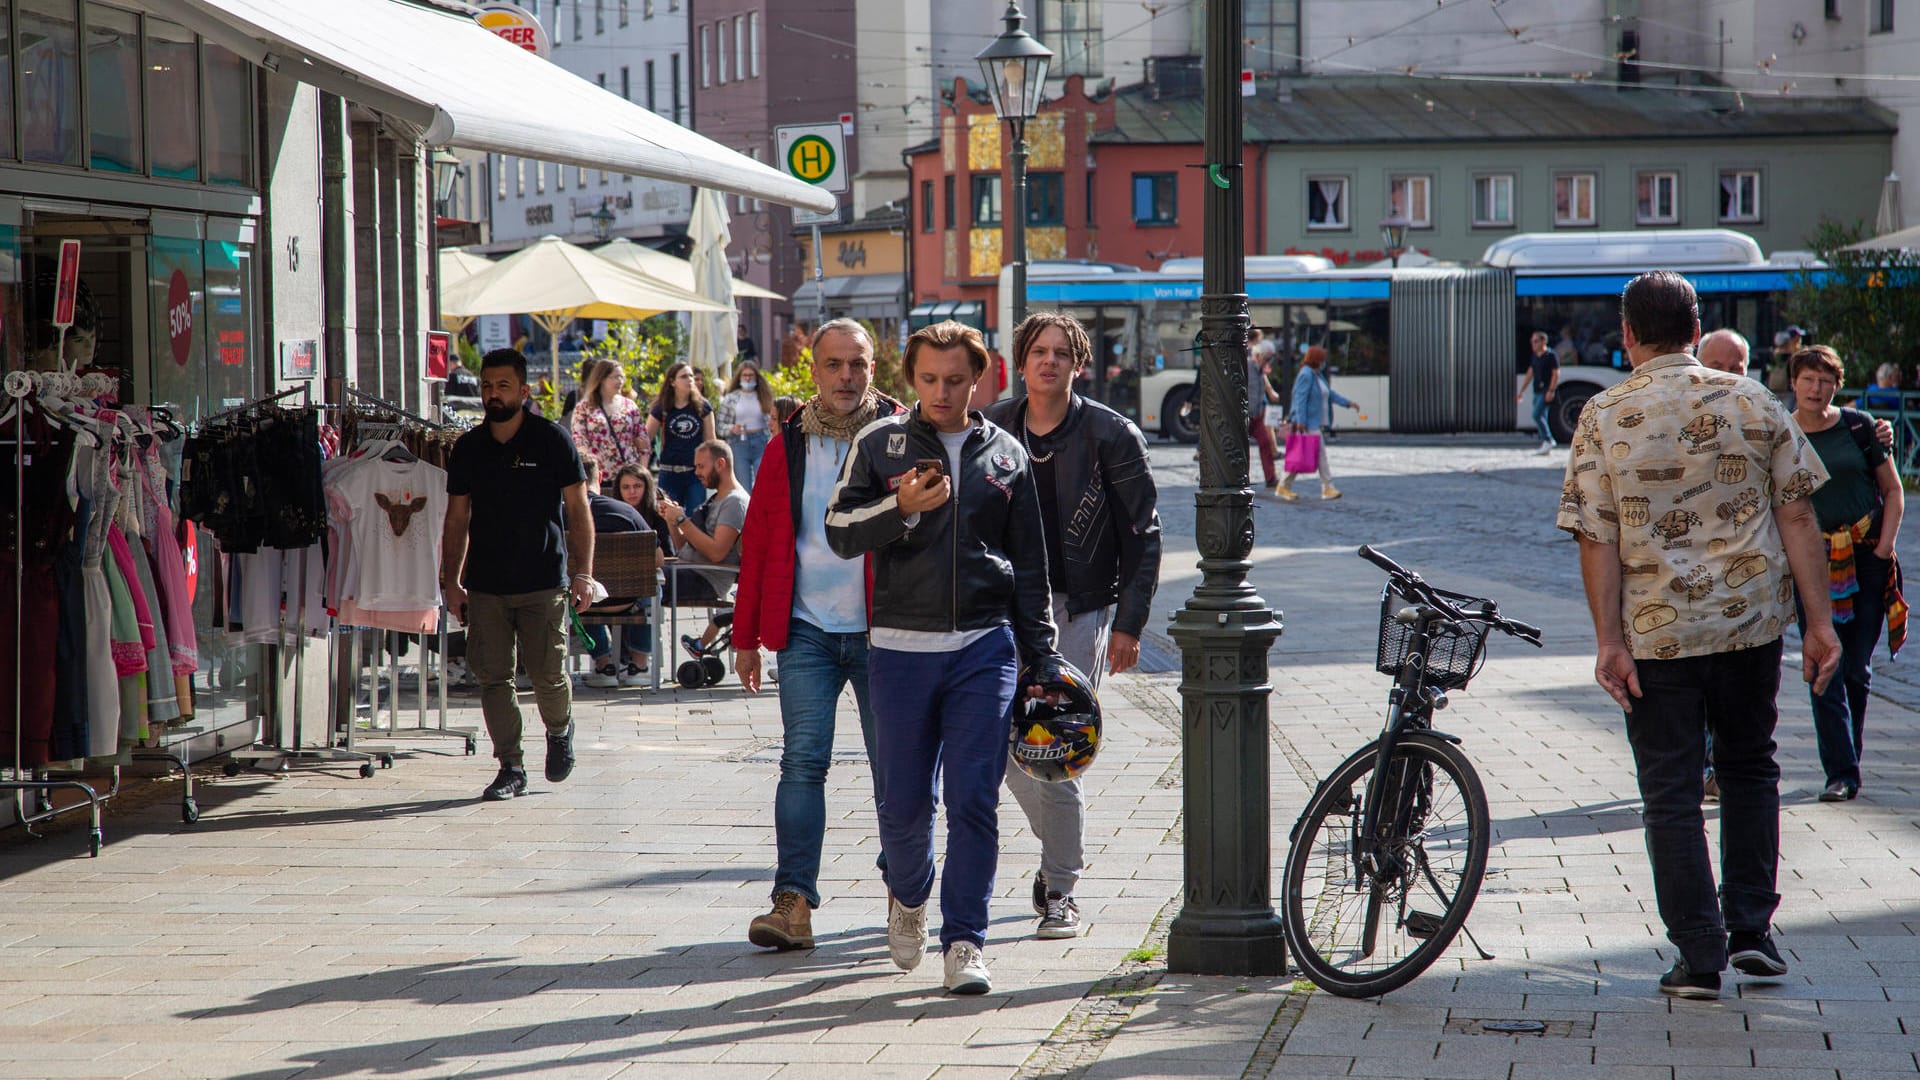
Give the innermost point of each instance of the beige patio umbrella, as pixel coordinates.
(457, 265)
(556, 282)
(1905, 239)
(674, 271)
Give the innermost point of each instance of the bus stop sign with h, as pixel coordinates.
(815, 154)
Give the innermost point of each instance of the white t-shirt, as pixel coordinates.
(395, 511)
(748, 413)
(828, 591)
(929, 641)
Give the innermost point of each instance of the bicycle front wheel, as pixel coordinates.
(1364, 930)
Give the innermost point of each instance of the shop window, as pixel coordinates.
(1327, 202)
(1656, 198)
(1046, 199)
(173, 100)
(1154, 199)
(177, 366)
(1740, 195)
(985, 206)
(114, 127)
(926, 206)
(229, 118)
(1411, 196)
(231, 371)
(1493, 201)
(1573, 199)
(50, 81)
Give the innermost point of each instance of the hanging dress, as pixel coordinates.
(103, 678)
(170, 578)
(71, 721)
(163, 702)
(129, 652)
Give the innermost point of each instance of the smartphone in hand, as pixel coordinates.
(936, 466)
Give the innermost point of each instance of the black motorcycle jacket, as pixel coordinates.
(1111, 532)
(977, 561)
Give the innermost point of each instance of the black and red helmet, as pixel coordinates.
(1055, 742)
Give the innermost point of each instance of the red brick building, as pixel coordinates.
(1096, 191)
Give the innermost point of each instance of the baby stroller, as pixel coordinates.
(707, 668)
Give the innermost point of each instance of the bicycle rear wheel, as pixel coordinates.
(1360, 934)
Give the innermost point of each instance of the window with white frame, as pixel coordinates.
(520, 176)
(1411, 196)
(498, 163)
(1574, 204)
(1493, 200)
(1656, 198)
(579, 176)
(539, 178)
(706, 56)
(720, 52)
(753, 46)
(1740, 195)
(1327, 202)
(1882, 11)
(739, 47)
(625, 15)
(646, 9)
(599, 16)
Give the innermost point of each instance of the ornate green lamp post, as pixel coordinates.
(1015, 69)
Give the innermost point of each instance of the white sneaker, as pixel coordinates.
(633, 675)
(967, 969)
(601, 678)
(1545, 448)
(907, 934)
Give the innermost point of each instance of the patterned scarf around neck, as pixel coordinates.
(817, 421)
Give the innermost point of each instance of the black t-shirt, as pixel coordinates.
(613, 516)
(680, 431)
(516, 541)
(1544, 366)
(1052, 520)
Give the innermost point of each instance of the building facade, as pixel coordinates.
(639, 50)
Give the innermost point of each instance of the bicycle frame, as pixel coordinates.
(1408, 709)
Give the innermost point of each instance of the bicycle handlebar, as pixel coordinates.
(1413, 582)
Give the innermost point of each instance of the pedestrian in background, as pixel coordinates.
(681, 420)
(746, 417)
(1098, 512)
(1543, 372)
(808, 605)
(1859, 511)
(606, 423)
(1260, 393)
(945, 501)
(1688, 490)
(1309, 414)
(516, 549)
(1884, 394)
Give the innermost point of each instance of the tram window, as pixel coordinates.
(1172, 328)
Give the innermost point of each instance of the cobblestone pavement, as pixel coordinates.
(316, 924)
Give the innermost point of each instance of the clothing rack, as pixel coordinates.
(306, 398)
(19, 386)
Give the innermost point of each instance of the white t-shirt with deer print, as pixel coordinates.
(394, 511)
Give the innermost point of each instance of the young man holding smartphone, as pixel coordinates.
(945, 502)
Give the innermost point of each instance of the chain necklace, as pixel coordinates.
(1027, 443)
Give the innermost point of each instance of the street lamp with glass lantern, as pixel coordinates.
(446, 170)
(603, 220)
(1015, 69)
(1393, 233)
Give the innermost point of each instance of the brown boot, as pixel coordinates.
(788, 926)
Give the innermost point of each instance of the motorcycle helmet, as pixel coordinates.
(1055, 742)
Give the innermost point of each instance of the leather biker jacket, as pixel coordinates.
(982, 566)
(1112, 533)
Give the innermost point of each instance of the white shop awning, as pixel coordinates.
(458, 85)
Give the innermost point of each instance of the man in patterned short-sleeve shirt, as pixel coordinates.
(1687, 489)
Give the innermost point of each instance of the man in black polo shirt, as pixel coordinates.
(516, 495)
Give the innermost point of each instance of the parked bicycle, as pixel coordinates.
(1386, 860)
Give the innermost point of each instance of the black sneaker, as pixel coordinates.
(1755, 954)
(1062, 919)
(560, 755)
(693, 646)
(509, 783)
(1679, 982)
(1039, 893)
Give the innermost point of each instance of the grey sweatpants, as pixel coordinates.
(1057, 813)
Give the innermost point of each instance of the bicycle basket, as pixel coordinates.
(1453, 651)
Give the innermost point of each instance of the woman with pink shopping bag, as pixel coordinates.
(1313, 396)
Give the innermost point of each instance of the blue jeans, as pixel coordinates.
(747, 449)
(1732, 695)
(1840, 714)
(634, 639)
(683, 488)
(1541, 423)
(814, 667)
(942, 733)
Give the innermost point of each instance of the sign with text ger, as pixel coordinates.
(516, 26)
